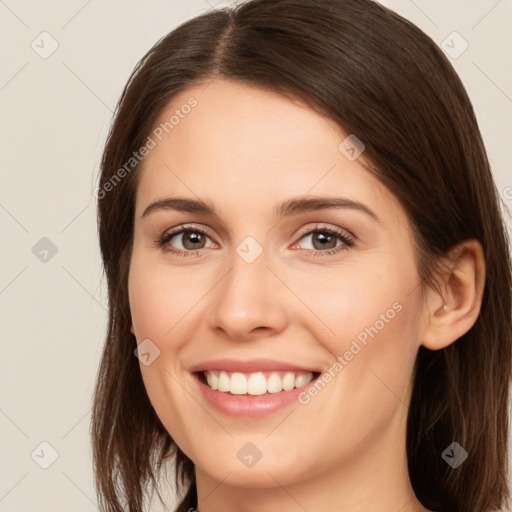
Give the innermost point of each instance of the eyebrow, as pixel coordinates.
(292, 206)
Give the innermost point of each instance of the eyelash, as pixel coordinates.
(347, 240)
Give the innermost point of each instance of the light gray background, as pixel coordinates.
(55, 113)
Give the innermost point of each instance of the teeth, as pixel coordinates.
(274, 383)
(256, 383)
(238, 384)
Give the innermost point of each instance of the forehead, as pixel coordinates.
(224, 140)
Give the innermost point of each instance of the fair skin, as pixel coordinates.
(245, 150)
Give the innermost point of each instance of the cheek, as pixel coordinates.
(160, 298)
(344, 302)
(373, 350)
(148, 307)
(370, 316)
(158, 301)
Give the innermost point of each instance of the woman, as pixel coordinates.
(278, 371)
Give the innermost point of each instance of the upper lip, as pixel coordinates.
(248, 366)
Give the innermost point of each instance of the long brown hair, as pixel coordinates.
(381, 78)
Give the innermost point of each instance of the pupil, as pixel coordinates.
(195, 238)
(323, 238)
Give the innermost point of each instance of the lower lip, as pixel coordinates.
(249, 406)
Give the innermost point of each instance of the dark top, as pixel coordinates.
(189, 501)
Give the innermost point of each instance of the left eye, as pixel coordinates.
(325, 240)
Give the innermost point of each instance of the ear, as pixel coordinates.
(453, 312)
(132, 330)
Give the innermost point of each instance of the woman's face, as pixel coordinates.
(330, 290)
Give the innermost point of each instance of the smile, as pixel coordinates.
(256, 383)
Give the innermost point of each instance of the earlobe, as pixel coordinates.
(455, 312)
(132, 330)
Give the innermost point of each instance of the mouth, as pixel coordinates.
(255, 383)
(250, 389)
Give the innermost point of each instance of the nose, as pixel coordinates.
(249, 301)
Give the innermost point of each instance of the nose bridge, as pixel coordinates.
(246, 297)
